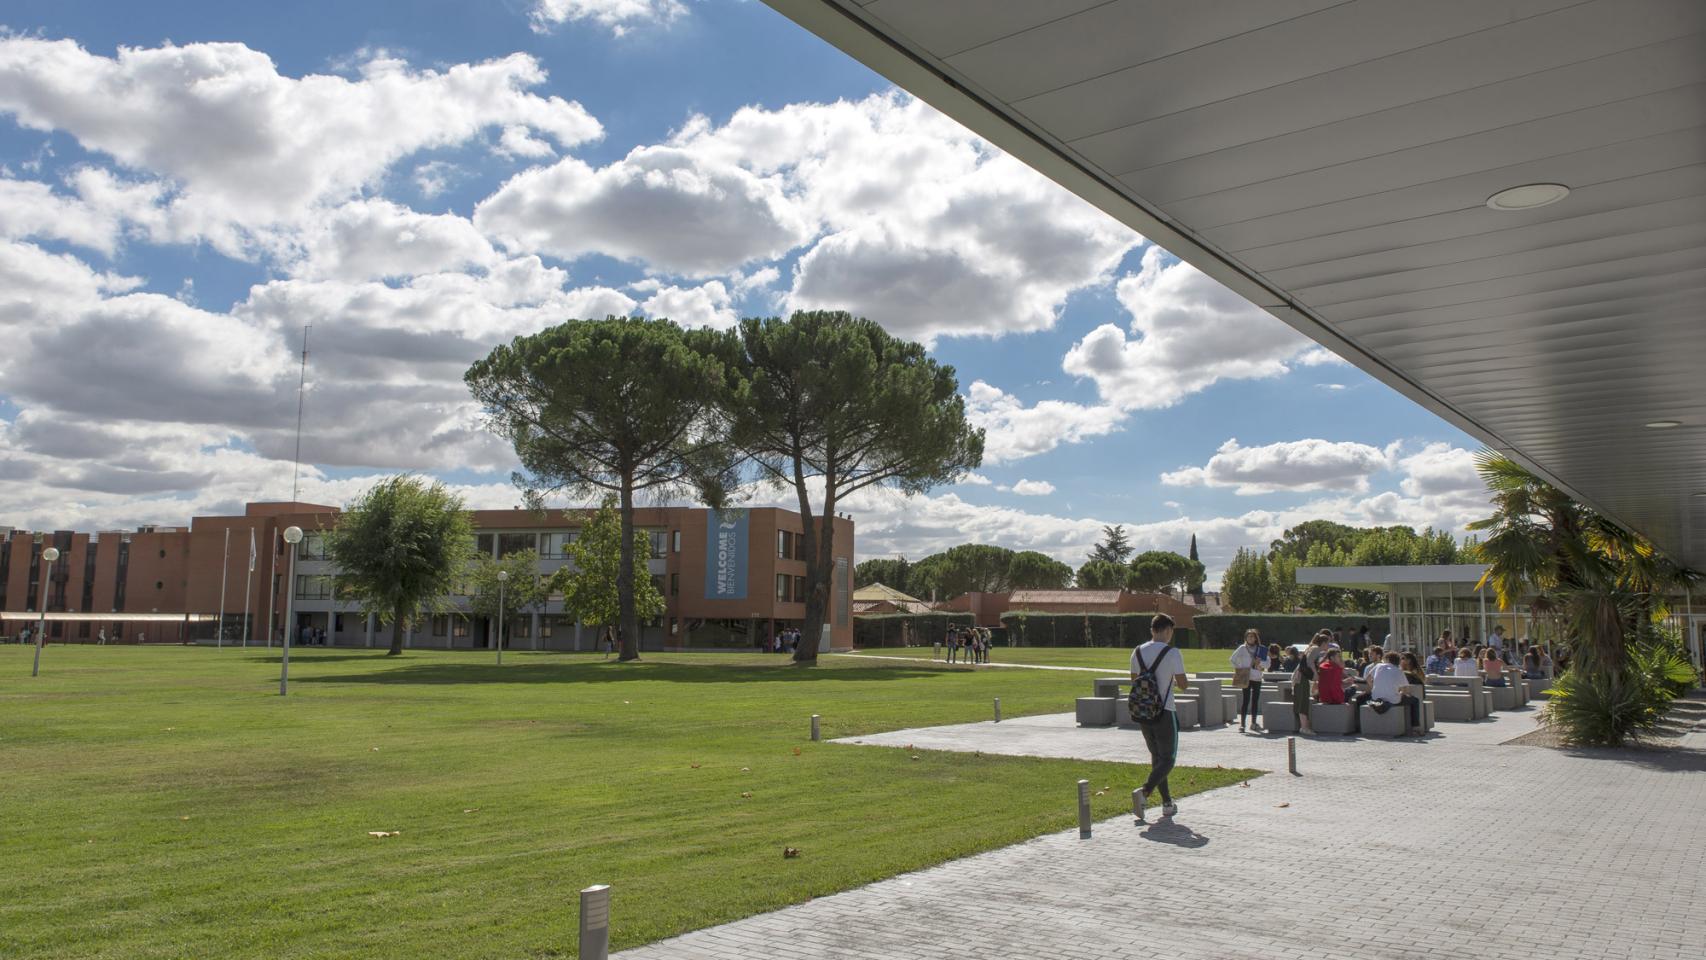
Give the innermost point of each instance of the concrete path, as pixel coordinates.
(1454, 846)
(1109, 671)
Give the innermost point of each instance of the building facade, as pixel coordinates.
(729, 580)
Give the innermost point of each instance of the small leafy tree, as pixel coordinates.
(1030, 570)
(1101, 575)
(827, 402)
(589, 582)
(1154, 570)
(401, 548)
(623, 406)
(1247, 587)
(522, 593)
(893, 572)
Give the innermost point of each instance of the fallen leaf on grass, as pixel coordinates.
(746, 795)
(789, 853)
(183, 818)
(1101, 793)
(695, 766)
(910, 748)
(470, 809)
(745, 769)
(383, 833)
(917, 757)
(796, 751)
(375, 749)
(1244, 783)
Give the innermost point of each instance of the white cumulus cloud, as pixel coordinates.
(1294, 465)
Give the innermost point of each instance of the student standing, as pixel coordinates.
(1157, 669)
(1247, 664)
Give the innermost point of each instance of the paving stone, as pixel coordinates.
(1451, 846)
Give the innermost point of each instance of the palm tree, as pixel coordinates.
(1604, 584)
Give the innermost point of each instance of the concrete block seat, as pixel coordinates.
(1393, 723)
(1229, 702)
(1453, 706)
(1210, 691)
(1538, 688)
(1278, 718)
(1097, 711)
(1506, 697)
(1109, 686)
(1337, 718)
(1189, 710)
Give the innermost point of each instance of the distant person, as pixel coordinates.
(1531, 665)
(1275, 656)
(1494, 667)
(1157, 669)
(1385, 680)
(953, 644)
(1303, 675)
(1497, 640)
(1362, 638)
(1464, 665)
(1247, 662)
(101, 637)
(1439, 663)
(1413, 672)
(1330, 678)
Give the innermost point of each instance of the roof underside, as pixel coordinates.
(1330, 161)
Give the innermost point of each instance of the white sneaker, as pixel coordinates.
(1169, 809)
(1138, 802)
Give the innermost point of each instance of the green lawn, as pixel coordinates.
(1117, 660)
(167, 803)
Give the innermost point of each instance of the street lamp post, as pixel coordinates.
(503, 578)
(48, 556)
(292, 536)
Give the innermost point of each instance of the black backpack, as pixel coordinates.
(1148, 701)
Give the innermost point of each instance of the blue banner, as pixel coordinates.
(725, 554)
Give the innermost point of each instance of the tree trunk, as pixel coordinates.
(626, 615)
(820, 565)
(396, 633)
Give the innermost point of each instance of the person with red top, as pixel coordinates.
(1330, 678)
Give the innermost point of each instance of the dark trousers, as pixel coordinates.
(1250, 702)
(1412, 707)
(1162, 738)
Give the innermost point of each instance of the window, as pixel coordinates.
(799, 589)
(783, 585)
(483, 544)
(313, 586)
(555, 545)
(660, 543)
(784, 545)
(337, 623)
(509, 543)
(657, 583)
(547, 626)
(675, 537)
(675, 584)
(313, 546)
(459, 626)
(440, 624)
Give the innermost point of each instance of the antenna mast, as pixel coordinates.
(301, 383)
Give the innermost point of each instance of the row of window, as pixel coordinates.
(554, 545)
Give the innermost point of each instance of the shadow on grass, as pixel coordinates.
(613, 672)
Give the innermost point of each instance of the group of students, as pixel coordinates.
(968, 644)
(1534, 660)
(785, 641)
(1320, 673)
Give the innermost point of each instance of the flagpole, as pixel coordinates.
(224, 568)
(248, 587)
(272, 574)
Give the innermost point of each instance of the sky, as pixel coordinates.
(185, 185)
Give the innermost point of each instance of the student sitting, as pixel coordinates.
(1531, 666)
(1465, 665)
(1384, 682)
(1439, 664)
(1330, 678)
(1494, 667)
(1413, 672)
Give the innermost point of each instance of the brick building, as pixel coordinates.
(731, 597)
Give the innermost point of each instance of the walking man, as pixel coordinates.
(1157, 668)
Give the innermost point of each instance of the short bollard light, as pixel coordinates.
(814, 727)
(1291, 754)
(1083, 809)
(595, 922)
(997, 709)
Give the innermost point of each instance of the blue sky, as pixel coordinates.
(423, 180)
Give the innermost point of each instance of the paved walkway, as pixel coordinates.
(1453, 846)
(1115, 671)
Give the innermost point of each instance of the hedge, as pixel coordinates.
(898, 629)
(1026, 629)
(1226, 630)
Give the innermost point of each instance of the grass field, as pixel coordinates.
(1114, 659)
(167, 803)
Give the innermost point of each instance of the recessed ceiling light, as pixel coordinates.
(1663, 424)
(1528, 196)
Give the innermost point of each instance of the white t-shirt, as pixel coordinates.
(1171, 665)
(1384, 679)
(1465, 667)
